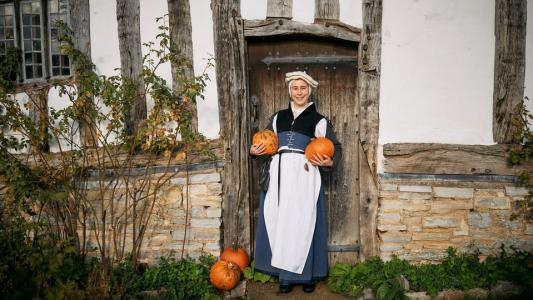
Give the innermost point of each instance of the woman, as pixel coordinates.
(291, 235)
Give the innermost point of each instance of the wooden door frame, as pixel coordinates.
(368, 90)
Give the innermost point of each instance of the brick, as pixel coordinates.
(489, 193)
(436, 222)
(215, 246)
(431, 236)
(206, 223)
(479, 219)
(493, 203)
(447, 206)
(408, 205)
(449, 192)
(529, 229)
(207, 234)
(214, 212)
(414, 196)
(198, 212)
(389, 217)
(388, 187)
(415, 188)
(178, 234)
(395, 237)
(391, 227)
(390, 247)
(515, 191)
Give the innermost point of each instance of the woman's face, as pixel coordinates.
(299, 92)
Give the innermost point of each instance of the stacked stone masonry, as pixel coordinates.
(168, 231)
(419, 220)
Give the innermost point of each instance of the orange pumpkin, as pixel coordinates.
(224, 275)
(268, 138)
(320, 146)
(237, 256)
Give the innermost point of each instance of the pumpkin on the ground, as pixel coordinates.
(268, 138)
(237, 256)
(224, 275)
(320, 146)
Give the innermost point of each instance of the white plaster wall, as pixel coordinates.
(529, 58)
(437, 71)
(304, 11)
(105, 50)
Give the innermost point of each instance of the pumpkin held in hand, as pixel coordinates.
(268, 138)
(224, 275)
(320, 146)
(237, 256)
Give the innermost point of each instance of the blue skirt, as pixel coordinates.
(316, 265)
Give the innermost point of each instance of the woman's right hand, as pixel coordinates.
(257, 149)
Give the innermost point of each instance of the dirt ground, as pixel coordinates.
(266, 291)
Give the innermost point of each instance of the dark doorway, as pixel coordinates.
(333, 64)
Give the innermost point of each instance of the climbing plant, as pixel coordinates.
(97, 197)
(522, 152)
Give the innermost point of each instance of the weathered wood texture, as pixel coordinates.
(80, 23)
(181, 38)
(509, 66)
(336, 99)
(369, 78)
(327, 9)
(234, 116)
(279, 9)
(263, 28)
(38, 113)
(450, 159)
(129, 42)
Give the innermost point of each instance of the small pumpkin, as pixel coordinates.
(224, 275)
(268, 138)
(320, 146)
(237, 256)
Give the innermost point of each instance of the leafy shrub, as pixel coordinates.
(183, 279)
(456, 271)
(250, 274)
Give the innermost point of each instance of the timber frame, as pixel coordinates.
(235, 113)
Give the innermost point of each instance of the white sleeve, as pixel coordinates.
(274, 127)
(321, 127)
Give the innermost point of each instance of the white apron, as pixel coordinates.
(291, 224)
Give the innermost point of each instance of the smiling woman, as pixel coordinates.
(291, 233)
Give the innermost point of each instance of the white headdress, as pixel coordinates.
(301, 75)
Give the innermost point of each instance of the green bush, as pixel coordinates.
(183, 279)
(457, 271)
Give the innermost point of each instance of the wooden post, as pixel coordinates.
(279, 9)
(234, 120)
(80, 24)
(509, 66)
(369, 77)
(181, 38)
(129, 38)
(327, 10)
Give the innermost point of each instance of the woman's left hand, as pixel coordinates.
(321, 161)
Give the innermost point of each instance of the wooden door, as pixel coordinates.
(333, 64)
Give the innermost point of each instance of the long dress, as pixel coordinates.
(291, 231)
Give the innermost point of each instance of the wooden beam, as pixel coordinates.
(279, 9)
(427, 158)
(179, 13)
(369, 78)
(234, 116)
(265, 28)
(80, 23)
(327, 9)
(129, 42)
(509, 66)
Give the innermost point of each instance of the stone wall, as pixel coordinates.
(166, 230)
(419, 216)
